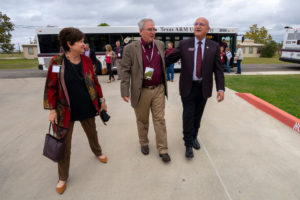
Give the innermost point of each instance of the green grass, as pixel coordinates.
(280, 90)
(18, 63)
(11, 55)
(259, 60)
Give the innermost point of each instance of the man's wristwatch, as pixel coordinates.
(102, 100)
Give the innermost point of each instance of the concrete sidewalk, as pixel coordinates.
(245, 154)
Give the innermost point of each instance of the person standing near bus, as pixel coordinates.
(143, 81)
(110, 57)
(239, 56)
(170, 68)
(223, 57)
(200, 59)
(73, 93)
(119, 51)
(229, 56)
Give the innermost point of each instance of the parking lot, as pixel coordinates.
(245, 154)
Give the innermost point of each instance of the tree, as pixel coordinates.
(259, 35)
(269, 49)
(5, 37)
(103, 24)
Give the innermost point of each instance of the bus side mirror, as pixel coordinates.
(243, 38)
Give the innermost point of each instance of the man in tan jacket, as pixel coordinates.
(143, 71)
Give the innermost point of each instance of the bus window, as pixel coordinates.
(98, 41)
(48, 43)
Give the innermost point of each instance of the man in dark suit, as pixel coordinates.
(200, 59)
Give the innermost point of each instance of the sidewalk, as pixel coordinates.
(245, 154)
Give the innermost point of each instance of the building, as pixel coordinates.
(30, 51)
(250, 49)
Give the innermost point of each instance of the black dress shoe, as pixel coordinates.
(145, 149)
(165, 157)
(189, 152)
(196, 144)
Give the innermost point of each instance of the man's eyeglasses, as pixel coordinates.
(199, 24)
(150, 29)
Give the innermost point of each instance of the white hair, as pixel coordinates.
(141, 23)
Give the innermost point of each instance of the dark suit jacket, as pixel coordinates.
(93, 55)
(211, 64)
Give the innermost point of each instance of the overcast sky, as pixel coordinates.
(30, 14)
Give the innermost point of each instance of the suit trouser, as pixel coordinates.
(193, 107)
(153, 99)
(89, 127)
(118, 63)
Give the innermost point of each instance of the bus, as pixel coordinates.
(290, 51)
(98, 37)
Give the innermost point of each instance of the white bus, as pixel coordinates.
(98, 37)
(290, 51)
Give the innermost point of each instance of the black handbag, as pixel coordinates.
(54, 148)
(104, 116)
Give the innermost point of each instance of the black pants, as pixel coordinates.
(193, 107)
(110, 70)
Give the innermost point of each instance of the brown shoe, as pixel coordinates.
(103, 160)
(61, 190)
(165, 157)
(145, 149)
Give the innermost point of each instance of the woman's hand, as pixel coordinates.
(53, 117)
(103, 106)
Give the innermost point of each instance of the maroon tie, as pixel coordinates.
(199, 60)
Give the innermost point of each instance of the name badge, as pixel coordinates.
(191, 49)
(148, 73)
(119, 54)
(55, 68)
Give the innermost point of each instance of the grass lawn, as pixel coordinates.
(259, 60)
(18, 63)
(283, 91)
(3, 55)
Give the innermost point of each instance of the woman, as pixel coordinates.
(110, 56)
(73, 93)
(222, 55)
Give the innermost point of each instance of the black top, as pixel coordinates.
(82, 106)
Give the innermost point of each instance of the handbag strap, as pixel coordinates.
(50, 125)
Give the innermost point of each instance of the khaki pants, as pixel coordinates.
(153, 99)
(89, 127)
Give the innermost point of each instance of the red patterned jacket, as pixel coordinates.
(56, 94)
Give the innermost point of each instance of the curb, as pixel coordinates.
(287, 119)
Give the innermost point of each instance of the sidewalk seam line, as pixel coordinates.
(216, 170)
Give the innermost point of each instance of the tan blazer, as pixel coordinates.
(132, 73)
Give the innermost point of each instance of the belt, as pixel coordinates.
(151, 86)
(197, 82)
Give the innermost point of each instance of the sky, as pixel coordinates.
(29, 15)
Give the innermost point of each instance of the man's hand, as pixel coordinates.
(126, 99)
(220, 96)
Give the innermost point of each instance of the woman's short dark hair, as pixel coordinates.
(71, 35)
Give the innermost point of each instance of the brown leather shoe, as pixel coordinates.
(145, 149)
(165, 157)
(61, 190)
(103, 160)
